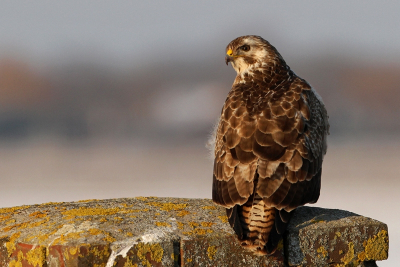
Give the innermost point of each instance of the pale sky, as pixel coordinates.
(130, 31)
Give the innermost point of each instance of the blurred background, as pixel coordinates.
(117, 99)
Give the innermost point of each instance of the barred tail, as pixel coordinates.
(259, 227)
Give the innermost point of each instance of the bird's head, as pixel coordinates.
(249, 51)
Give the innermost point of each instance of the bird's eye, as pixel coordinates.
(245, 47)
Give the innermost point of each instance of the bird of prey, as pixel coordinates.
(269, 144)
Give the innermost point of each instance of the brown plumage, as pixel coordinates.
(269, 144)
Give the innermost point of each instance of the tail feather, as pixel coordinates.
(259, 227)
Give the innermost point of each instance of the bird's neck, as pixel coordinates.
(268, 75)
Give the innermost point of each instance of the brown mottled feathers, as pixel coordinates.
(269, 147)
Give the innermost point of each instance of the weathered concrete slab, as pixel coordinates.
(326, 236)
(150, 231)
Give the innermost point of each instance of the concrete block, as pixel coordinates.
(151, 231)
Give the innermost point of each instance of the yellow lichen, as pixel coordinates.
(224, 219)
(349, 256)
(38, 214)
(101, 254)
(189, 260)
(207, 224)
(73, 251)
(24, 225)
(129, 234)
(211, 252)
(322, 253)
(86, 200)
(129, 263)
(51, 203)
(17, 263)
(182, 213)
(155, 252)
(193, 224)
(95, 231)
(376, 248)
(174, 257)
(83, 211)
(180, 225)
(141, 198)
(4, 217)
(37, 256)
(337, 235)
(157, 213)
(209, 207)
(12, 210)
(109, 239)
(361, 256)
(10, 245)
(164, 224)
(10, 221)
(167, 206)
(118, 219)
(103, 220)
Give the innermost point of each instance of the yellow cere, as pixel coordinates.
(229, 52)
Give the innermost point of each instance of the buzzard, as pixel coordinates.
(269, 144)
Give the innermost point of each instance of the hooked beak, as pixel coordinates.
(228, 59)
(229, 56)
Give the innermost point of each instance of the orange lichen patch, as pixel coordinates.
(175, 257)
(10, 221)
(103, 220)
(126, 205)
(207, 224)
(129, 263)
(12, 210)
(349, 256)
(193, 224)
(18, 262)
(52, 203)
(86, 200)
(198, 231)
(224, 219)
(41, 238)
(37, 256)
(100, 254)
(141, 198)
(211, 252)
(180, 225)
(157, 214)
(167, 206)
(142, 210)
(163, 224)
(67, 237)
(322, 253)
(38, 214)
(129, 234)
(4, 217)
(377, 247)
(182, 213)
(118, 219)
(24, 225)
(108, 238)
(10, 245)
(83, 211)
(95, 231)
(154, 251)
(337, 235)
(209, 208)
